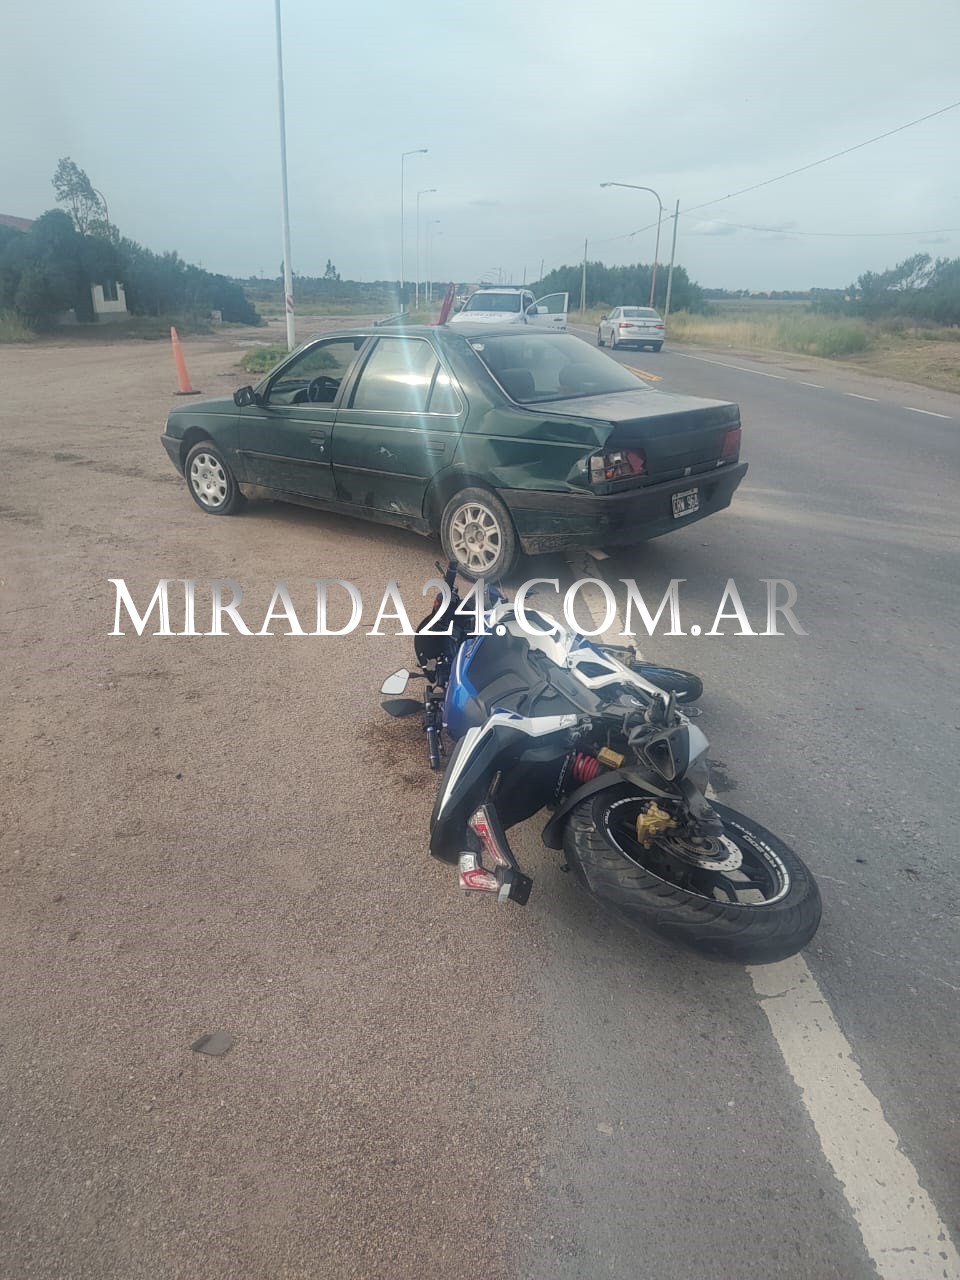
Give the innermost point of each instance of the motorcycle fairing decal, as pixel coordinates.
(538, 727)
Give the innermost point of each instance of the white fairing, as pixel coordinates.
(536, 727)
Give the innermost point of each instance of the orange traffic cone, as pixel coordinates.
(182, 376)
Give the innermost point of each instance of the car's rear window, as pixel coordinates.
(534, 368)
(640, 313)
(493, 302)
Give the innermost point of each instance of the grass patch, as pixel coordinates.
(262, 359)
(808, 334)
(12, 328)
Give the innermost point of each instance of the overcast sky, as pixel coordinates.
(526, 106)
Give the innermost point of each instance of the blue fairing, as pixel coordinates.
(459, 708)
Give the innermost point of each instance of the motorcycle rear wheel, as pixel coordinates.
(765, 911)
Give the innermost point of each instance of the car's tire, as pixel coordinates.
(478, 535)
(212, 484)
(600, 341)
(657, 346)
(750, 933)
(613, 342)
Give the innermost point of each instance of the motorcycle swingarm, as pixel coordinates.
(552, 835)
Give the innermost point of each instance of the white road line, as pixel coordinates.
(929, 412)
(855, 396)
(818, 385)
(901, 1229)
(726, 365)
(899, 1223)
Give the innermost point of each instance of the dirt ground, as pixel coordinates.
(227, 834)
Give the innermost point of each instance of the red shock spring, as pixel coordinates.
(584, 767)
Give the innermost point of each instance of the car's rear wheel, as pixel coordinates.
(613, 341)
(212, 484)
(600, 341)
(657, 346)
(478, 535)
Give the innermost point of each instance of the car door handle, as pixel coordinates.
(319, 437)
(435, 446)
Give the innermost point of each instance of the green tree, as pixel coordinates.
(74, 189)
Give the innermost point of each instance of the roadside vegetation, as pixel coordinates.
(262, 359)
(13, 329)
(48, 270)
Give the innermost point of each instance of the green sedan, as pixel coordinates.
(498, 440)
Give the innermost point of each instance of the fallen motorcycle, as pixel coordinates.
(544, 718)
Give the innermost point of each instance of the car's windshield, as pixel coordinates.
(533, 368)
(493, 302)
(640, 313)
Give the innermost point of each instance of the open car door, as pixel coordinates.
(550, 312)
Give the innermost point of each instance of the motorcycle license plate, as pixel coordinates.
(686, 502)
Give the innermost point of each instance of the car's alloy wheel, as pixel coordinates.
(477, 533)
(212, 484)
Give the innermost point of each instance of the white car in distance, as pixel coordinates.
(505, 305)
(631, 326)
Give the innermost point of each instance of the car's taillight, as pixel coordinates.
(624, 324)
(731, 444)
(617, 465)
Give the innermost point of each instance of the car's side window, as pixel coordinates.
(397, 377)
(443, 397)
(314, 377)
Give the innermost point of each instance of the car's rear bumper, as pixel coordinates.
(547, 521)
(637, 338)
(172, 446)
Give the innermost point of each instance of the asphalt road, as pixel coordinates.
(204, 834)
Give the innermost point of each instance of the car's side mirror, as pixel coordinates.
(244, 396)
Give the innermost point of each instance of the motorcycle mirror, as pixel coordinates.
(396, 683)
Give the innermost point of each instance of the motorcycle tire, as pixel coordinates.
(644, 887)
(683, 684)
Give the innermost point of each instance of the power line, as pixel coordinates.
(803, 169)
(835, 156)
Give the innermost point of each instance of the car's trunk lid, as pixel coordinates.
(678, 434)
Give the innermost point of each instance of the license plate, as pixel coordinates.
(686, 502)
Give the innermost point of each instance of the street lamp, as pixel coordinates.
(287, 272)
(656, 253)
(431, 232)
(427, 191)
(417, 151)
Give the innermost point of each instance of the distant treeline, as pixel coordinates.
(377, 294)
(919, 288)
(623, 286)
(50, 268)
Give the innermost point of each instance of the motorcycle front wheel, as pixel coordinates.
(745, 897)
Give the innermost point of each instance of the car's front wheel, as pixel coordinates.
(478, 535)
(212, 484)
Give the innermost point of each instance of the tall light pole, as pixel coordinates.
(427, 191)
(656, 253)
(287, 273)
(431, 232)
(673, 254)
(417, 151)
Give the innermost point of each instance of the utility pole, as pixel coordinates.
(287, 271)
(583, 280)
(673, 254)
